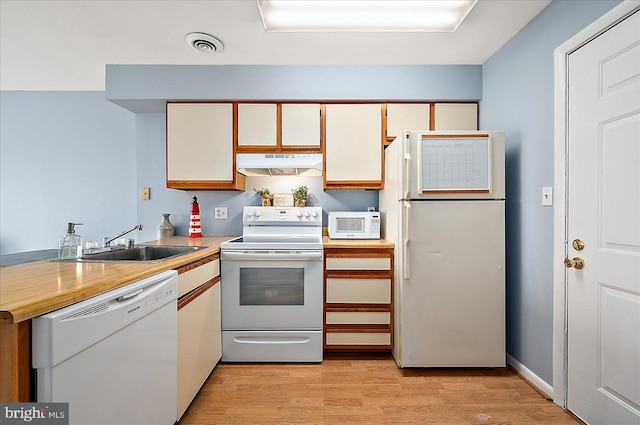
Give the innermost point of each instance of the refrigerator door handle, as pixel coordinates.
(407, 169)
(406, 274)
(407, 176)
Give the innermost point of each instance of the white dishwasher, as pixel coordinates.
(112, 357)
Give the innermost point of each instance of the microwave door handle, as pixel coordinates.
(406, 263)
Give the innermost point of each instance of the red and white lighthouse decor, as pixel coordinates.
(194, 221)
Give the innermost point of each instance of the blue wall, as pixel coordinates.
(518, 97)
(64, 156)
(76, 156)
(145, 89)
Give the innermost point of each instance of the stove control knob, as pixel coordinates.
(250, 213)
(258, 213)
(306, 213)
(314, 213)
(299, 213)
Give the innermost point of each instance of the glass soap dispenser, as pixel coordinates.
(70, 245)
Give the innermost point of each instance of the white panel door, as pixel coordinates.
(603, 211)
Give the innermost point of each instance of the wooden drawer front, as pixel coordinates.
(358, 338)
(359, 291)
(358, 318)
(195, 277)
(362, 263)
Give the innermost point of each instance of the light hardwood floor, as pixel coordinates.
(371, 390)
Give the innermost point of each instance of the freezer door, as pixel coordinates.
(455, 165)
(451, 285)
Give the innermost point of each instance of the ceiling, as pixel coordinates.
(64, 45)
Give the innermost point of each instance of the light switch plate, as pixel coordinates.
(145, 193)
(221, 213)
(547, 196)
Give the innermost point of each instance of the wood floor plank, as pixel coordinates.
(368, 390)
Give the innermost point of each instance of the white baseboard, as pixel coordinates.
(534, 379)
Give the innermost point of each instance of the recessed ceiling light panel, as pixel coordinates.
(364, 16)
(204, 43)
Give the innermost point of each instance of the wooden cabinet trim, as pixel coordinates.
(187, 298)
(356, 308)
(239, 183)
(190, 266)
(351, 184)
(357, 328)
(359, 252)
(15, 362)
(358, 274)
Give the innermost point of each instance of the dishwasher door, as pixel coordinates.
(112, 357)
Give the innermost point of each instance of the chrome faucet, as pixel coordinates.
(108, 240)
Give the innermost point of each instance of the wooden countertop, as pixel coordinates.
(32, 289)
(356, 243)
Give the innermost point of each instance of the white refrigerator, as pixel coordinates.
(443, 206)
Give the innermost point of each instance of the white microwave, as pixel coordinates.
(354, 225)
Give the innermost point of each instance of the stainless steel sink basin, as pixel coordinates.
(142, 253)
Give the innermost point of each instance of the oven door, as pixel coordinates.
(271, 289)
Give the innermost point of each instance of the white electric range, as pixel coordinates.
(271, 289)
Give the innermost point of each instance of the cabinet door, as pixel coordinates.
(257, 124)
(200, 151)
(199, 341)
(455, 116)
(353, 146)
(407, 116)
(301, 125)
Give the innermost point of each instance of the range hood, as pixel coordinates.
(279, 164)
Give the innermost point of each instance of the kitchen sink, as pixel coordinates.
(142, 253)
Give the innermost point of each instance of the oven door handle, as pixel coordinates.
(271, 255)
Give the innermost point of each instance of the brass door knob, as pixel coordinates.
(578, 245)
(576, 262)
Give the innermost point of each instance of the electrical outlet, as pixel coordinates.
(145, 193)
(221, 213)
(547, 196)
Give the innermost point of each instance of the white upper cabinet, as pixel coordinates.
(353, 146)
(407, 116)
(301, 124)
(200, 152)
(257, 124)
(455, 116)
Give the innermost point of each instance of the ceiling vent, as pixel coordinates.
(204, 43)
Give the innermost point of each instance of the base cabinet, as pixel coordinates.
(199, 328)
(358, 300)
